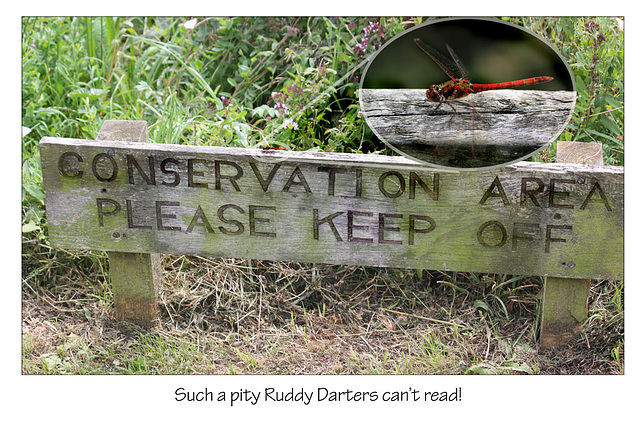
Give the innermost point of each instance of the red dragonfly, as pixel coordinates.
(460, 84)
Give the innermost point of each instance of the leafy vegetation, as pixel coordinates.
(287, 82)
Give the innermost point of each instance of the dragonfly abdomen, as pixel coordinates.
(475, 88)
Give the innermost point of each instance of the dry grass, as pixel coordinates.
(222, 316)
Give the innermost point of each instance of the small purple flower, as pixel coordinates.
(282, 109)
(280, 97)
(360, 47)
(290, 124)
(294, 90)
(374, 27)
(373, 35)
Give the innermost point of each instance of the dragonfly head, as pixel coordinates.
(433, 93)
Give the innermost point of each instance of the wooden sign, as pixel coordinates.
(560, 220)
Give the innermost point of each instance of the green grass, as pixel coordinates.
(225, 82)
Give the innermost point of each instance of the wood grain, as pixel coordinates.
(480, 130)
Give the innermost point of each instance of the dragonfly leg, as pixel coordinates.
(478, 115)
(450, 104)
(452, 107)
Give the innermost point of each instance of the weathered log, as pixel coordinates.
(479, 130)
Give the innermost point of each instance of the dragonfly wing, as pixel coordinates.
(450, 68)
(463, 71)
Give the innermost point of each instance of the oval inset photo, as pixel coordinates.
(467, 93)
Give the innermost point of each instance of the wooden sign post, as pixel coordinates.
(553, 220)
(135, 277)
(565, 302)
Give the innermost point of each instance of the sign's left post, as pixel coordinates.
(135, 277)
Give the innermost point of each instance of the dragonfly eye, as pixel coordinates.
(433, 93)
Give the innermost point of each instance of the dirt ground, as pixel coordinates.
(222, 316)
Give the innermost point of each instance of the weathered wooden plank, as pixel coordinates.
(135, 277)
(480, 130)
(527, 218)
(584, 153)
(124, 130)
(565, 301)
(136, 280)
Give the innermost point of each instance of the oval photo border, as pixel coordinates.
(405, 68)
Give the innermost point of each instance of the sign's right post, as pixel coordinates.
(565, 301)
